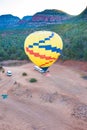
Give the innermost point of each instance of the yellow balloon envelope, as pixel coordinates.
(43, 48)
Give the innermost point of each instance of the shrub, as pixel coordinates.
(24, 74)
(3, 71)
(32, 80)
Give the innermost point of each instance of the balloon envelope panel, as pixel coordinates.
(43, 47)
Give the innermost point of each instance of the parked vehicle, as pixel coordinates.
(39, 69)
(9, 73)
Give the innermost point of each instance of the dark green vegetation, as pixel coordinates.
(73, 33)
(74, 36)
(11, 44)
(32, 80)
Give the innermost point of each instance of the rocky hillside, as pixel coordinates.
(7, 21)
(46, 16)
(51, 16)
(83, 15)
(40, 19)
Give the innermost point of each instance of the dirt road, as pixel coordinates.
(57, 101)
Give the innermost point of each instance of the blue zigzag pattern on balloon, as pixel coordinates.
(53, 49)
(47, 47)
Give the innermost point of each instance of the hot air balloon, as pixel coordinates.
(43, 48)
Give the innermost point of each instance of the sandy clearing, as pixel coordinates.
(57, 101)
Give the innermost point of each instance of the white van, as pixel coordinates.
(9, 73)
(39, 69)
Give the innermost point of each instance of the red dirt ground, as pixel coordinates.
(57, 101)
